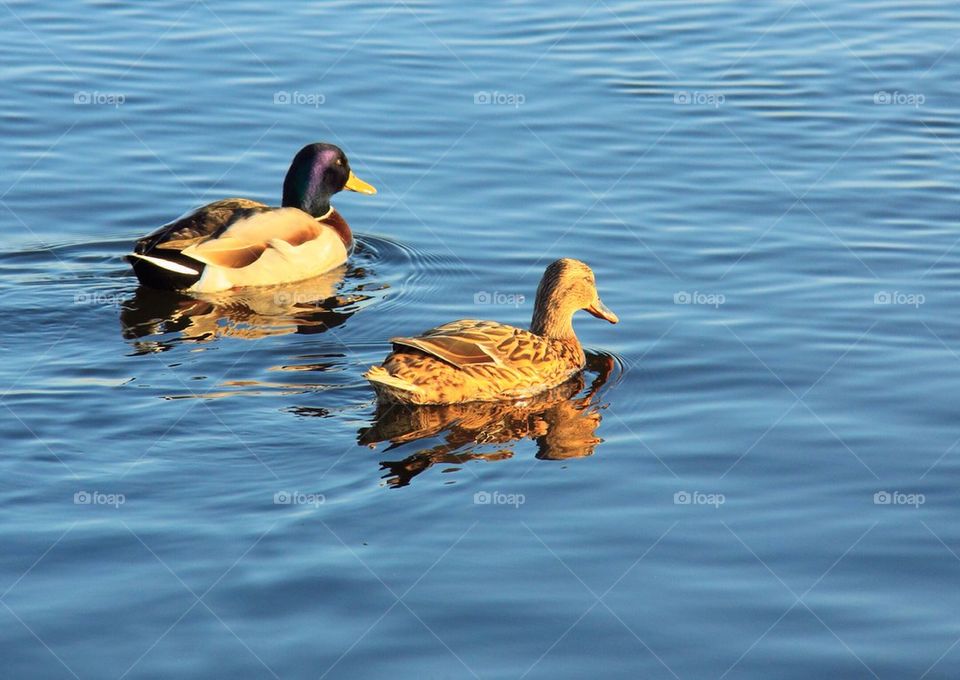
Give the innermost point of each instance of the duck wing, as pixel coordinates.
(203, 223)
(244, 240)
(469, 343)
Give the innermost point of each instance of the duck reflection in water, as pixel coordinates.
(305, 307)
(562, 422)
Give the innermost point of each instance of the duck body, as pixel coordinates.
(472, 360)
(237, 242)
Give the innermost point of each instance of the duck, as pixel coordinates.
(237, 242)
(481, 361)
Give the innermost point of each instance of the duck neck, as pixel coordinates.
(302, 190)
(318, 206)
(552, 321)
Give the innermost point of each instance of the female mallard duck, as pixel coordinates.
(489, 361)
(239, 242)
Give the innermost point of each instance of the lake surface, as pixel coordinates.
(756, 477)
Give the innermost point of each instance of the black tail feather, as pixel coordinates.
(155, 276)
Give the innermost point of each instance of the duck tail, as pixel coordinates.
(382, 379)
(158, 272)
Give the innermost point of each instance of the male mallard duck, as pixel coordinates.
(488, 361)
(239, 242)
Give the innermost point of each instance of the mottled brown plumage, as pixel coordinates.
(473, 360)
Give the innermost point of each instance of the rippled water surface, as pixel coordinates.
(755, 477)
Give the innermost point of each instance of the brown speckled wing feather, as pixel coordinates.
(455, 351)
(468, 344)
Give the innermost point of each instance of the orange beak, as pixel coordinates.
(601, 311)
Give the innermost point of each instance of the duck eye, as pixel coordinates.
(339, 161)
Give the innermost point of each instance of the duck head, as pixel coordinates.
(317, 172)
(567, 287)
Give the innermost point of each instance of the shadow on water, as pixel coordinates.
(307, 307)
(561, 421)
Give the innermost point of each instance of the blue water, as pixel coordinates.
(767, 194)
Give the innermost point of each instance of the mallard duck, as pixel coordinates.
(238, 242)
(473, 360)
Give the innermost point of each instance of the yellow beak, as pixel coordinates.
(354, 183)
